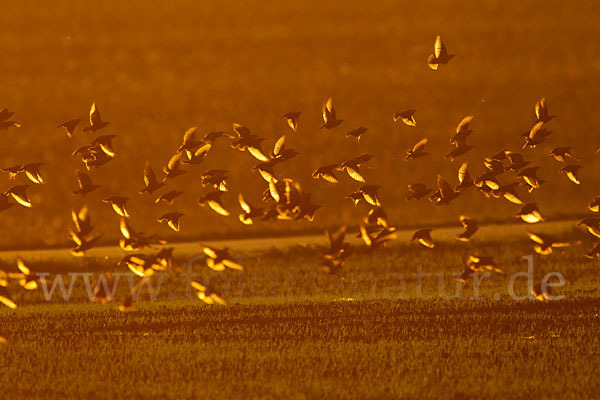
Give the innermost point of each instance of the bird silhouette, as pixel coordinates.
(439, 56)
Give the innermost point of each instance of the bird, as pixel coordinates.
(530, 213)
(594, 252)
(172, 169)
(369, 193)
(189, 142)
(213, 200)
(377, 216)
(561, 153)
(540, 293)
(250, 212)
(592, 225)
(118, 204)
(169, 196)
(508, 191)
(217, 178)
(357, 133)
(336, 252)
(96, 122)
(594, 205)
(330, 120)
(82, 221)
(418, 191)
(517, 162)
(150, 181)
(470, 227)
(135, 240)
(105, 143)
(266, 170)
(280, 153)
(464, 178)
(172, 219)
(327, 173)
(352, 167)
(28, 279)
(6, 299)
(70, 126)
(19, 194)
(104, 288)
(529, 176)
(207, 295)
(417, 150)
(406, 116)
(541, 111)
(571, 172)
(462, 131)
(440, 55)
(85, 184)
(544, 243)
(197, 157)
(32, 171)
(536, 135)
(477, 263)
(446, 192)
(13, 171)
(5, 114)
(79, 235)
(292, 119)
(423, 237)
(219, 259)
(4, 123)
(376, 236)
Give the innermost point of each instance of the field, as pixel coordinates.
(393, 322)
(292, 331)
(211, 64)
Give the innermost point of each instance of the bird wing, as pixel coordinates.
(463, 172)
(438, 47)
(218, 207)
(174, 161)
(535, 237)
(84, 180)
(463, 125)
(445, 189)
(94, 115)
(232, 264)
(535, 130)
(189, 135)
(420, 145)
(354, 173)
(258, 153)
(328, 112)
(279, 145)
(125, 229)
(245, 206)
(149, 177)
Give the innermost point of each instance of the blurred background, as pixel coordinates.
(157, 68)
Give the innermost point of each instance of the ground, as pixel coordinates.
(292, 331)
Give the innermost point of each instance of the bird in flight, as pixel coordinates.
(423, 237)
(440, 55)
(292, 118)
(150, 181)
(85, 184)
(70, 126)
(406, 116)
(172, 219)
(330, 120)
(96, 122)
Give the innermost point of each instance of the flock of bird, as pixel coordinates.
(506, 173)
